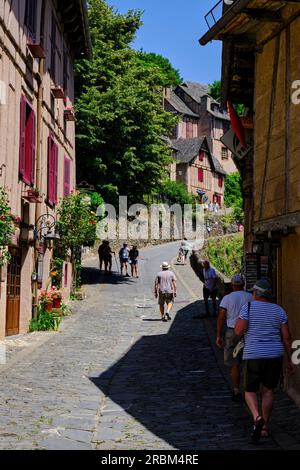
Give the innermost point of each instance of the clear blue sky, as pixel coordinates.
(172, 28)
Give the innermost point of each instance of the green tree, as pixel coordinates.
(7, 227)
(233, 196)
(162, 66)
(120, 119)
(175, 192)
(233, 189)
(76, 227)
(215, 90)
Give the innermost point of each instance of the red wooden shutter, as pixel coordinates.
(22, 137)
(67, 176)
(55, 173)
(50, 171)
(200, 175)
(32, 148)
(220, 181)
(28, 148)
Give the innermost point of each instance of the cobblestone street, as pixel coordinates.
(116, 377)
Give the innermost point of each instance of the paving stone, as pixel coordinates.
(118, 377)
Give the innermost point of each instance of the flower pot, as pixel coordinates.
(48, 307)
(56, 303)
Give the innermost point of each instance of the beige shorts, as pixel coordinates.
(165, 298)
(231, 340)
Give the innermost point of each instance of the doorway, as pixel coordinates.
(13, 294)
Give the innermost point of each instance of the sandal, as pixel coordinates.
(265, 433)
(257, 429)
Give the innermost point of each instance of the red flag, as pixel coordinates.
(237, 125)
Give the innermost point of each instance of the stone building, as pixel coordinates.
(261, 69)
(199, 128)
(39, 41)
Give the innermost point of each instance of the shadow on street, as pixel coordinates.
(171, 384)
(95, 276)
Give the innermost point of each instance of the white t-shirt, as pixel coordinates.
(209, 276)
(233, 303)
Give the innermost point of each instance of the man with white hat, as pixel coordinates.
(229, 310)
(165, 290)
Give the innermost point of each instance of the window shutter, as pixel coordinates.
(67, 176)
(55, 173)
(50, 170)
(33, 147)
(220, 181)
(22, 137)
(200, 175)
(28, 145)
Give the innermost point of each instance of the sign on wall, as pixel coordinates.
(231, 141)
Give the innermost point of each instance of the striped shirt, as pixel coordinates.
(263, 336)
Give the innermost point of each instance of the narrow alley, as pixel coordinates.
(116, 377)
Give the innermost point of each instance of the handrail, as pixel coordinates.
(211, 14)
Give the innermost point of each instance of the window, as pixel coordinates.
(224, 153)
(220, 181)
(201, 156)
(42, 24)
(67, 176)
(225, 126)
(200, 175)
(30, 18)
(27, 143)
(52, 171)
(189, 129)
(53, 48)
(65, 71)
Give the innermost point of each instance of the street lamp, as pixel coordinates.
(44, 229)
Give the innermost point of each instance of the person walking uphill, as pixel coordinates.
(133, 260)
(229, 311)
(210, 287)
(124, 259)
(165, 290)
(264, 325)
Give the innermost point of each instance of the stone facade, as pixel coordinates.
(37, 52)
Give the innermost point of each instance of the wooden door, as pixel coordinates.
(13, 295)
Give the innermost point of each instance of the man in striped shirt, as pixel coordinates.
(265, 328)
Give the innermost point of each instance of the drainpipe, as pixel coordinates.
(38, 174)
(229, 15)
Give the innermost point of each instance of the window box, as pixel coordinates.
(69, 114)
(36, 49)
(58, 92)
(32, 195)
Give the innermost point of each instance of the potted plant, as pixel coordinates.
(46, 300)
(56, 297)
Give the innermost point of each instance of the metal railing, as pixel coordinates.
(213, 16)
